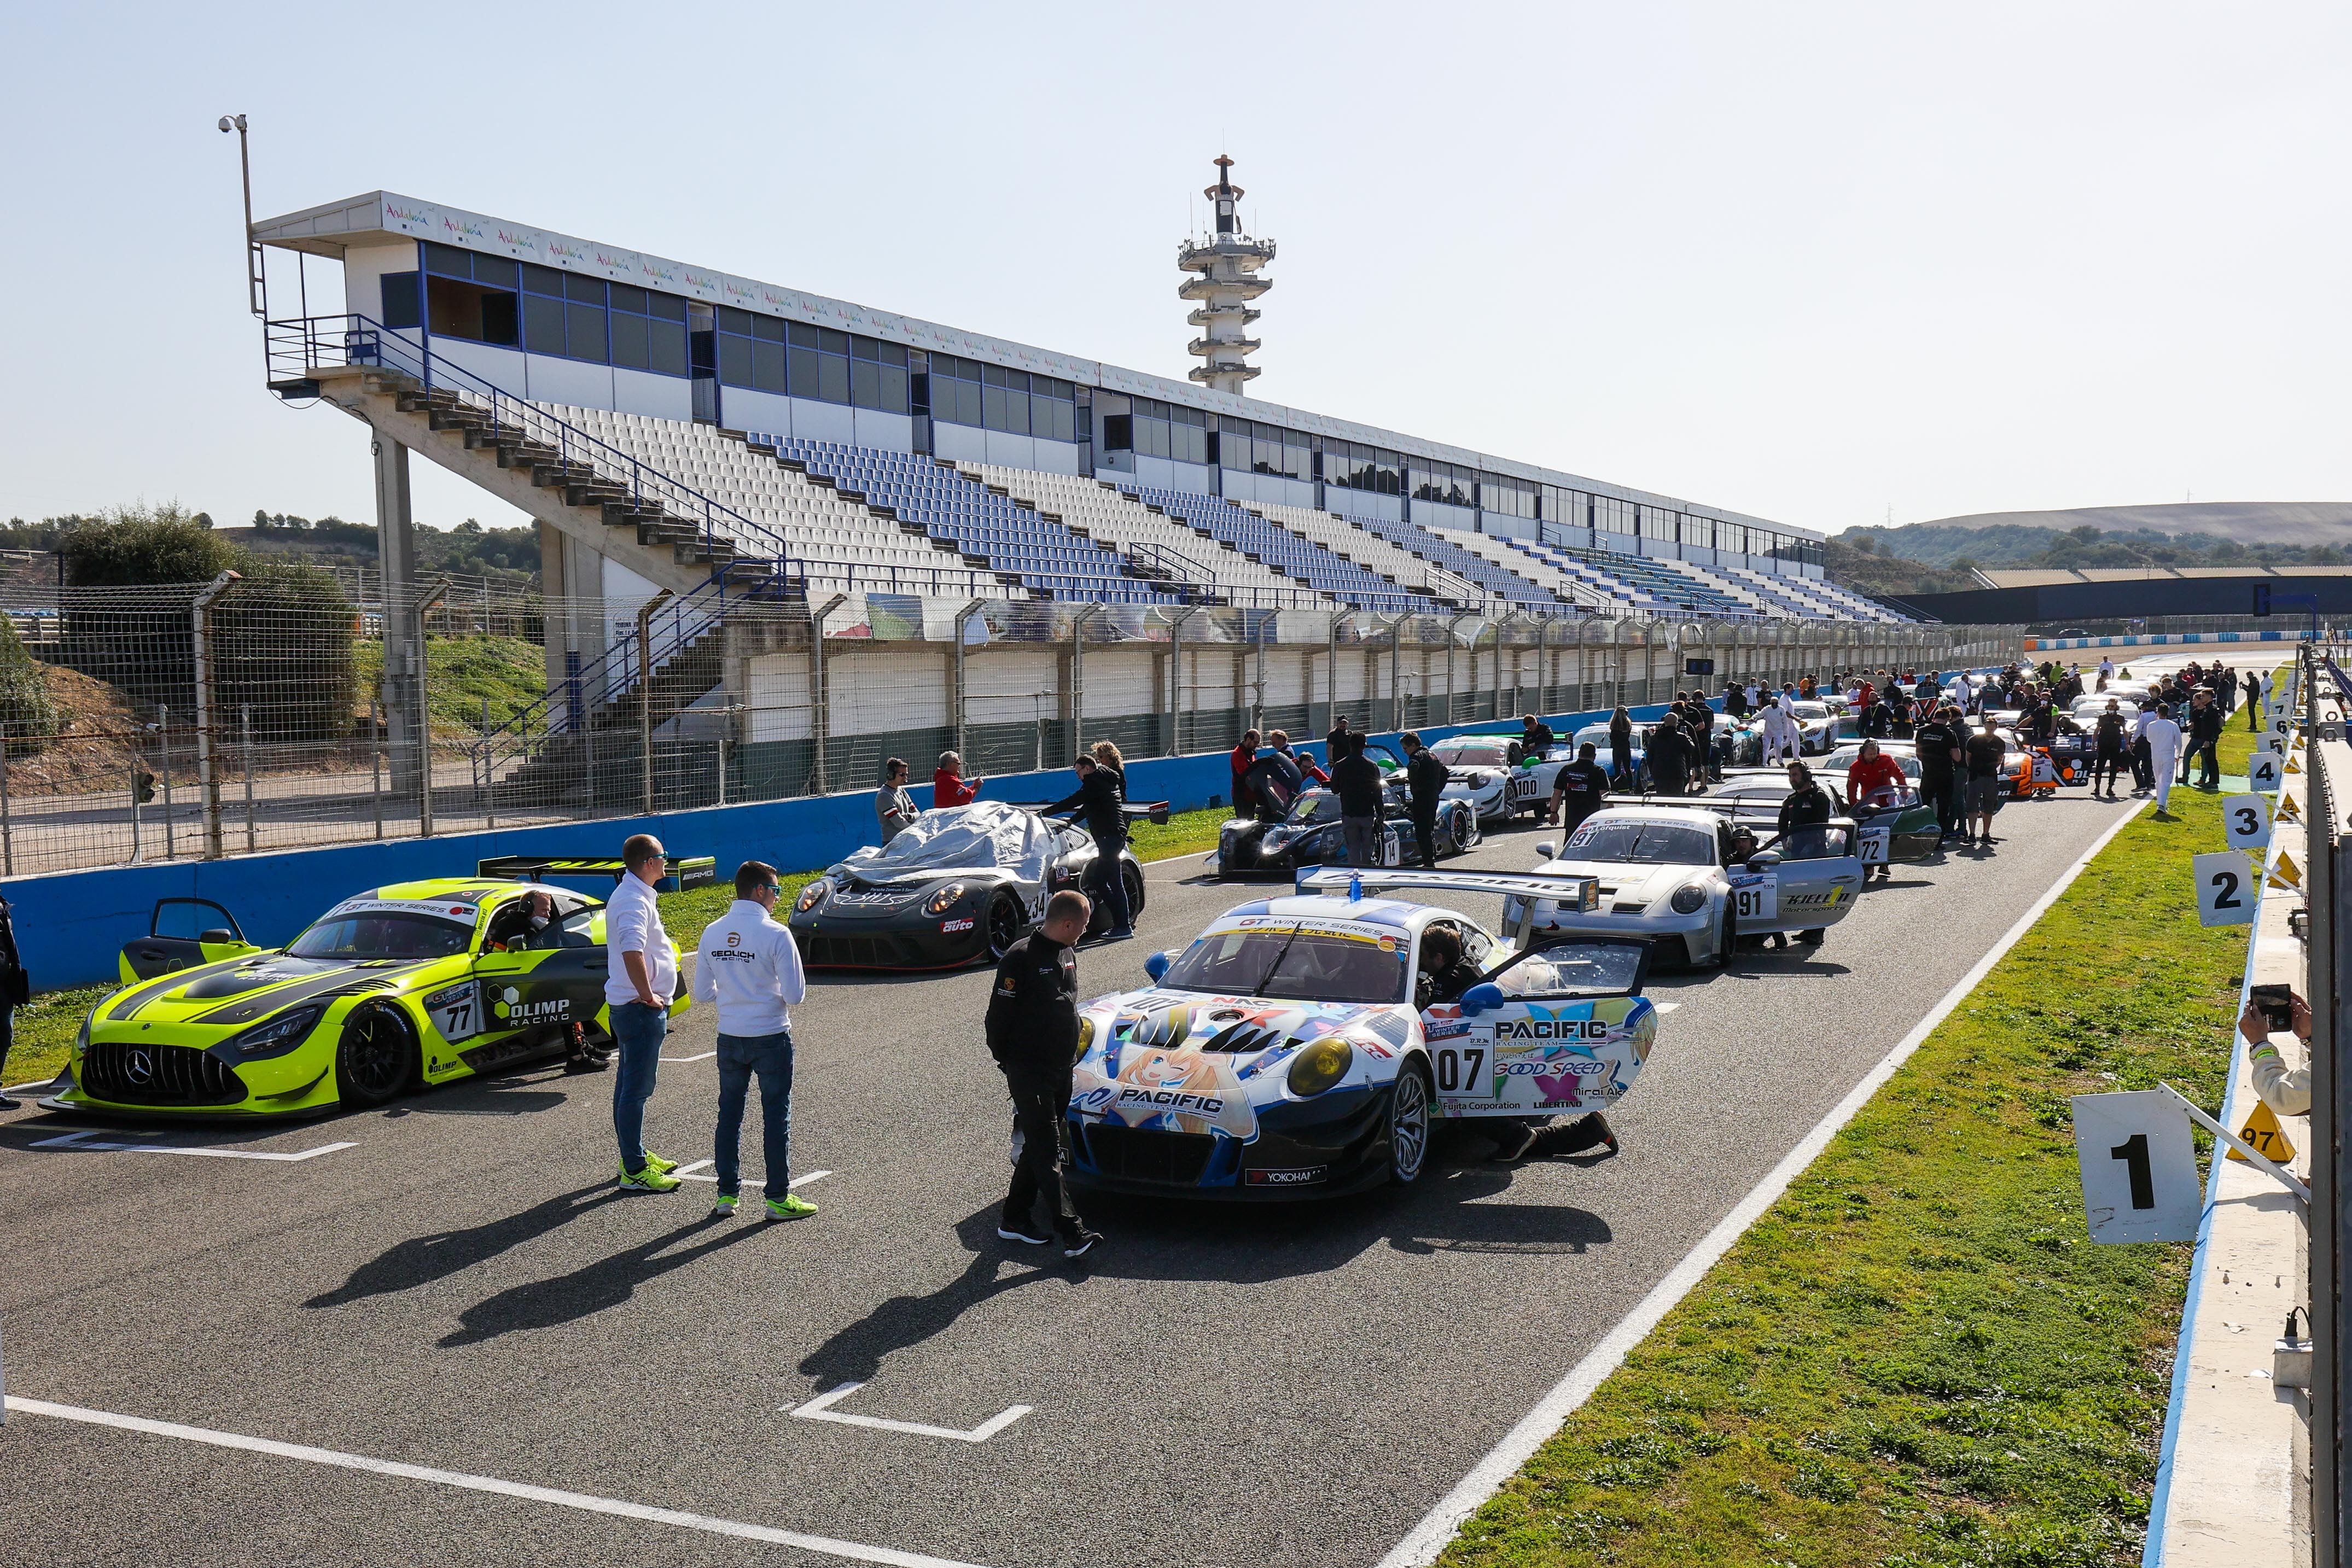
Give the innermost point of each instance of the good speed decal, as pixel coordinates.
(1539, 1058)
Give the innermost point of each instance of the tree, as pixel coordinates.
(28, 715)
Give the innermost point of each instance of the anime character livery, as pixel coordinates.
(1305, 1046)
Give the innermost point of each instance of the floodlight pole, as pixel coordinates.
(256, 278)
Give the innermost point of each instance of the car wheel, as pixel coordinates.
(1726, 938)
(1409, 1125)
(1002, 923)
(1467, 831)
(376, 1058)
(1133, 877)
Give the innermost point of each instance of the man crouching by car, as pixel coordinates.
(1032, 1032)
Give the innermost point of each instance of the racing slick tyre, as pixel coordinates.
(1134, 879)
(1469, 834)
(1726, 939)
(1409, 1122)
(376, 1058)
(1002, 923)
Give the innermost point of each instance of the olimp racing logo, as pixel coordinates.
(516, 1011)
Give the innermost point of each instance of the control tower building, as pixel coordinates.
(1227, 280)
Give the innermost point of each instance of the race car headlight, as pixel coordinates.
(945, 899)
(1688, 900)
(1319, 1066)
(812, 894)
(279, 1035)
(1085, 1037)
(81, 1041)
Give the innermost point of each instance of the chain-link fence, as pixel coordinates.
(197, 720)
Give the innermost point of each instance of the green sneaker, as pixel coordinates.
(654, 1161)
(649, 1180)
(791, 1205)
(724, 1205)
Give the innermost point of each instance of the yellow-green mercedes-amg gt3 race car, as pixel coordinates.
(416, 983)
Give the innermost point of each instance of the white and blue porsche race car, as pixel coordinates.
(1295, 1049)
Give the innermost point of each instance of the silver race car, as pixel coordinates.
(1695, 879)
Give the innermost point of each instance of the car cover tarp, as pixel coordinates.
(984, 835)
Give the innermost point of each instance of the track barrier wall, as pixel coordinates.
(70, 925)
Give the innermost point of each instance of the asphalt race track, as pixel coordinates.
(462, 1288)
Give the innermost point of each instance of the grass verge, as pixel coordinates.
(45, 1027)
(1915, 1357)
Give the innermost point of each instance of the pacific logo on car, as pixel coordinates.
(1550, 1029)
(1172, 1100)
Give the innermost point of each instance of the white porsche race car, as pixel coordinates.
(1295, 1048)
(1481, 769)
(1686, 878)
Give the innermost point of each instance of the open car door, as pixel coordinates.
(1809, 879)
(1562, 1027)
(159, 954)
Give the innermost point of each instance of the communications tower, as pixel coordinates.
(1227, 280)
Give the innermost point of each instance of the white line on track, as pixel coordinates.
(704, 1057)
(83, 1141)
(696, 1172)
(821, 1409)
(823, 1545)
(1429, 1538)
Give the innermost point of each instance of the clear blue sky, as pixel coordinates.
(1808, 261)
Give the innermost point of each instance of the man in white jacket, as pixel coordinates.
(2285, 1089)
(1779, 732)
(748, 963)
(2163, 737)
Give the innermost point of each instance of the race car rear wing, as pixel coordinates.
(1743, 811)
(1570, 893)
(685, 871)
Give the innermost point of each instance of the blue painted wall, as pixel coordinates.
(71, 925)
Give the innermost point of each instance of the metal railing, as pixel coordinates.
(295, 348)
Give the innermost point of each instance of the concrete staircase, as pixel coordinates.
(631, 514)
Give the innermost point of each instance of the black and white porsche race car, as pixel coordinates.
(955, 886)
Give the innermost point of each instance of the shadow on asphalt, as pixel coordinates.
(424, 1259)
(1231, 1244)
(608, 1283)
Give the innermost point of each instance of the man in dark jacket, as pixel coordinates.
(1356, 780)
(1938, 741)
(1245, 803)
(1803, 814)
(1734, 700)
(1576, 790)
(2204, 728)
(1098, 800)
(1670, 756)
(1425, 781)
(1535, 736)
(1033, 1033)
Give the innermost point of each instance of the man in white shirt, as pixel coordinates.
(640, 981)
(748, 965)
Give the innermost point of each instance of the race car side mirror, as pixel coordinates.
(1483, 997)
(1548, 850)
(1156, 966)
(217, 936)
(1763, 860)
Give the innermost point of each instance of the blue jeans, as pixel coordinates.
(769, 1056)
(638, 1032)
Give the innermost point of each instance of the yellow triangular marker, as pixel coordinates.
(2269, 1139)
(2288, 811)
(2287, 873)
(2292, 765)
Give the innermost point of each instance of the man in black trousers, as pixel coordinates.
(1033, 1033)
(1426, 780)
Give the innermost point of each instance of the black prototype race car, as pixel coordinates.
(1310, 835)
(955, 886)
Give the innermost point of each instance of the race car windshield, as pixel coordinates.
(1317, 806)
(1812, 710)
(1650, 844)
(381, 936)
(1475, 755)
(1286, 962)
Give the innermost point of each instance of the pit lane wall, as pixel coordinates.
(71, 925)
